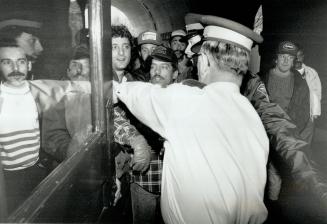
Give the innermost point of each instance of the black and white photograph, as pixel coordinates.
(163, 111)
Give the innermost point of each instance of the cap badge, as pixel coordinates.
(149, 36)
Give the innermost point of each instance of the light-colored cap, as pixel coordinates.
(175, 33)
(21, 23)
(192, 22)
(149, 37)
(218, 28)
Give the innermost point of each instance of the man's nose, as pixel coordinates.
(158, 70)
(121, 51)
(179, 46)
(286, 59)
(15, 66)
(39, 46)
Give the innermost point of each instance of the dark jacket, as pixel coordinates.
(299, 106)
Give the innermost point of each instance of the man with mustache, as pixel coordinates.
(178, 43)
(19, 132)
(146, 187)
(163, 67)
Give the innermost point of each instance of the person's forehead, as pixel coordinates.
(289, 55)
(12, 52)
(158, 62)
(81, 60)
(120, 40)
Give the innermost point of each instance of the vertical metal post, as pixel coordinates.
(99, 43)
(3, 201)
(101, 75)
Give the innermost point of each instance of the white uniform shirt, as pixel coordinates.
(216, 150)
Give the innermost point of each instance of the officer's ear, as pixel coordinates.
(205, 65)
(29, 66)
(175, 74)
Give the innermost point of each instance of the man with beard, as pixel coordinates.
(19, 129)
(178, 43)
(147, 41)
(25, 34)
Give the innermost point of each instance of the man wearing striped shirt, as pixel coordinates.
(19, 129)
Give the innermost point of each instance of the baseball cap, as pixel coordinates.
(287, 47)
(165, 54)
(179, 33)
(149, 37)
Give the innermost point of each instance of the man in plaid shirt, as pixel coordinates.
(146, 186)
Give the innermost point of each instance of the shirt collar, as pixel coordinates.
(301, 71)
(228, 86)
(18, 91)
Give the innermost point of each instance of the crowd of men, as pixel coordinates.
(199, 138)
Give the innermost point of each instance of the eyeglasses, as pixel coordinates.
(11, 63)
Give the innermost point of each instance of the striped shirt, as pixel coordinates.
(19, 128)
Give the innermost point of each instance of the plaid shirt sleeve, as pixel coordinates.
(123, 130)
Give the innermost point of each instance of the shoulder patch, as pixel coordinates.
(192, 82)
(262, 89)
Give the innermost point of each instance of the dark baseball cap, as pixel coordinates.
(287, 47)
(80, 52)
(165, 54)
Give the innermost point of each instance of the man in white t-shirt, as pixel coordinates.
(216, 147)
